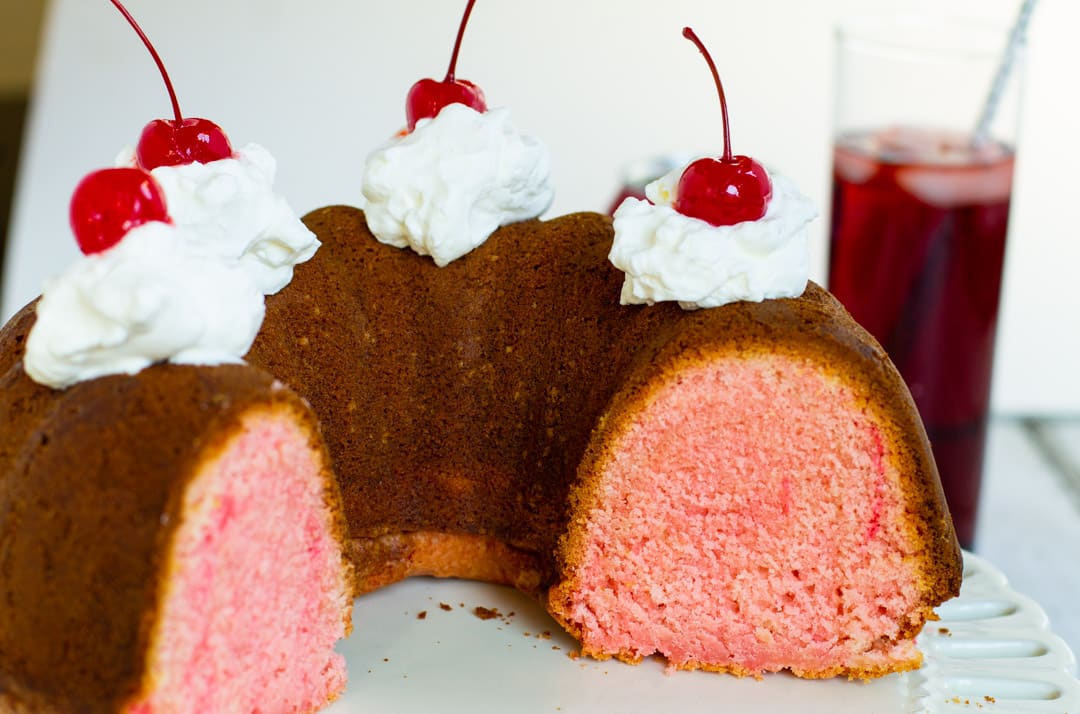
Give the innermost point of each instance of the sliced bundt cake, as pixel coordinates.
(745, 488)
(169, 542)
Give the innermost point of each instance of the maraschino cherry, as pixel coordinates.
(171, 142)
(727, 190)
(427, 97)
(110, 202)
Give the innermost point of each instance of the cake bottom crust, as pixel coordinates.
(389, 558)
(864, 673)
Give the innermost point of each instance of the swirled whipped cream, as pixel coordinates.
(668, 256)
(149, 298)
(188, 292)
(446, 186)
(233, 211)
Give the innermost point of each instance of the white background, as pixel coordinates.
(323, 82)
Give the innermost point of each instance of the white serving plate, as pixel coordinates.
(990, 652)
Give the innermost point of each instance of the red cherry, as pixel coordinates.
(108, 203)
(170, 142)
(727, 190)
(164, 142)
(427, 97)
(724, 193)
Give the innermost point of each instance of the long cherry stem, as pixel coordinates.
(689, 34)
(153, 53)
(457, 42)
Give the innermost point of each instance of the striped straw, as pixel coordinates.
(1017, 39)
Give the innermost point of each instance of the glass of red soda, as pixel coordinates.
(920, 212)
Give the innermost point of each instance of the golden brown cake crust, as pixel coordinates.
(431, 409)
(389, 558)
(91, 480)
(461, 400)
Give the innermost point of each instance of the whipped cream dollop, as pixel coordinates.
(668, 256)
(147, 299)
(446, 186)
(233, 211)
(188, 292)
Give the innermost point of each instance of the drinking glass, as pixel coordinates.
(920, 211)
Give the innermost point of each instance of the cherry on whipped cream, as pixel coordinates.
(428, 97)
(108, 203)
(727, 190)
(171, 142)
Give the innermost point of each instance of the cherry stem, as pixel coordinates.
(689, 34)
(153, 53)
(457, 42)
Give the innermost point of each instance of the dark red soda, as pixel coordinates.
(917, 247)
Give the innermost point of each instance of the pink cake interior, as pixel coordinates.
(256, 591)
(749, 522)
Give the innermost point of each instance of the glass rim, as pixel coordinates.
(923, 35)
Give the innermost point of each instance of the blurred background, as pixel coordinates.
(322, 82)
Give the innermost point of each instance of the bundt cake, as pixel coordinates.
(143, 562)
(746, 488)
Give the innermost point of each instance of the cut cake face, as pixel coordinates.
(251, 609)
(171, 542)
(749, 516)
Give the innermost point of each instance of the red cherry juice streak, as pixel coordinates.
(925, 280)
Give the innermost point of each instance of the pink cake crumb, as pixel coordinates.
(749, 521)
(256, 590)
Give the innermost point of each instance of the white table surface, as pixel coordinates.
(1029, 517)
